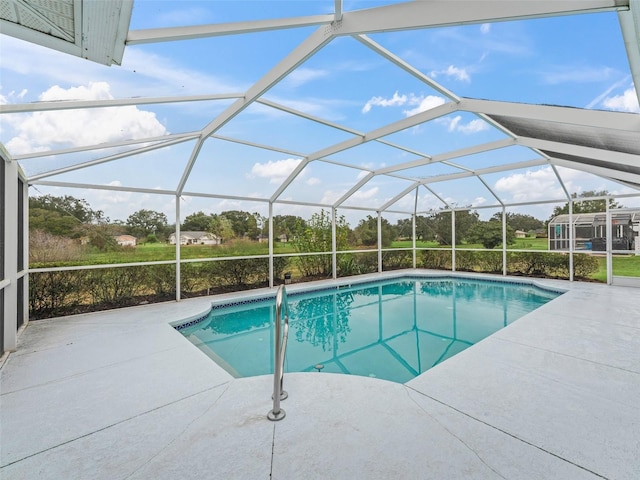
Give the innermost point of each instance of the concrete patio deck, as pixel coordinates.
(122, 395)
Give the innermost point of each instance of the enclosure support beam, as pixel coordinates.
(380, 241)
(453, 240)
(609, 243)
(572, 229)
(10, 333)
(334, 245)
(504, 240)
(271, 279)
(177, 232)
(413, 227)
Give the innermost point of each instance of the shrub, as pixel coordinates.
(116, 286)
(436, 259)
(584, 265)
(55, 293)
(393, 260)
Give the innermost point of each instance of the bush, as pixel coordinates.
(116, 286)
(55, 293)
(436, 259)
(394, 260)
(485, 262)
(553, 265)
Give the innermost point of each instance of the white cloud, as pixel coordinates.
(627, 102)
(365, 194)
(43, 130)
(576, 74)
(478, 201)
(458, 73)
(454, 124)
(276, 171)
(485, 28)
(529, 186)
(420, 102)
(313, 181)
(330, 196)
(302, 76)
(394, 101)
(152, 70)
(13, 97)
(423, 104)
(473, 126)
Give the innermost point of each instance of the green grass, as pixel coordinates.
(623, 265)
(156, 252)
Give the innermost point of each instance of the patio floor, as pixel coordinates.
(122, 395)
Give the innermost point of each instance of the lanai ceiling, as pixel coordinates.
(361, 105)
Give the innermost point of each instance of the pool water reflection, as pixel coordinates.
(394, 329)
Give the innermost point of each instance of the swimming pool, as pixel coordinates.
(392, 329)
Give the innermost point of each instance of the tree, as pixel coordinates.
(366, 232)
(63, 216)
(146, 222)
(221, 226)
(197, 222)
(242, 223)
(489, 234)
(289, 225)
(54, 222)
(67, 205)
(425, 227)
(441, 225)
(587, 206)
(404, 228)
(519, 221)
(317, 237)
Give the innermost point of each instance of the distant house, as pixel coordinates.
(126, 240)
(283, 238)
(521, 234)
(196, 238)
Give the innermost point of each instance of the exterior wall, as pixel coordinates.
(195, 238)
(126, 241)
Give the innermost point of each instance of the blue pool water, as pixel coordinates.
(394, 329)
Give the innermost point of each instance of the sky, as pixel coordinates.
(559, 61)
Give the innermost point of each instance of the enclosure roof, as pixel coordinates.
(627, 214)
(392, 106)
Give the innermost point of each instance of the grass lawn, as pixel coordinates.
(154, 252)
(623, 265)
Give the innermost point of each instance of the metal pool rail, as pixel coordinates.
(282, 312)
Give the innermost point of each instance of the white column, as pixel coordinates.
(413, 236)
(572, 231)
(10, 256)
(177, 233)
(504, 240)
(380, 242)
(271, 244)
(453, 240)
(609, 246)
(334, 245)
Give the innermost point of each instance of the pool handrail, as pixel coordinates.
(282, 312)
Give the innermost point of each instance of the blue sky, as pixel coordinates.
(577, 61)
